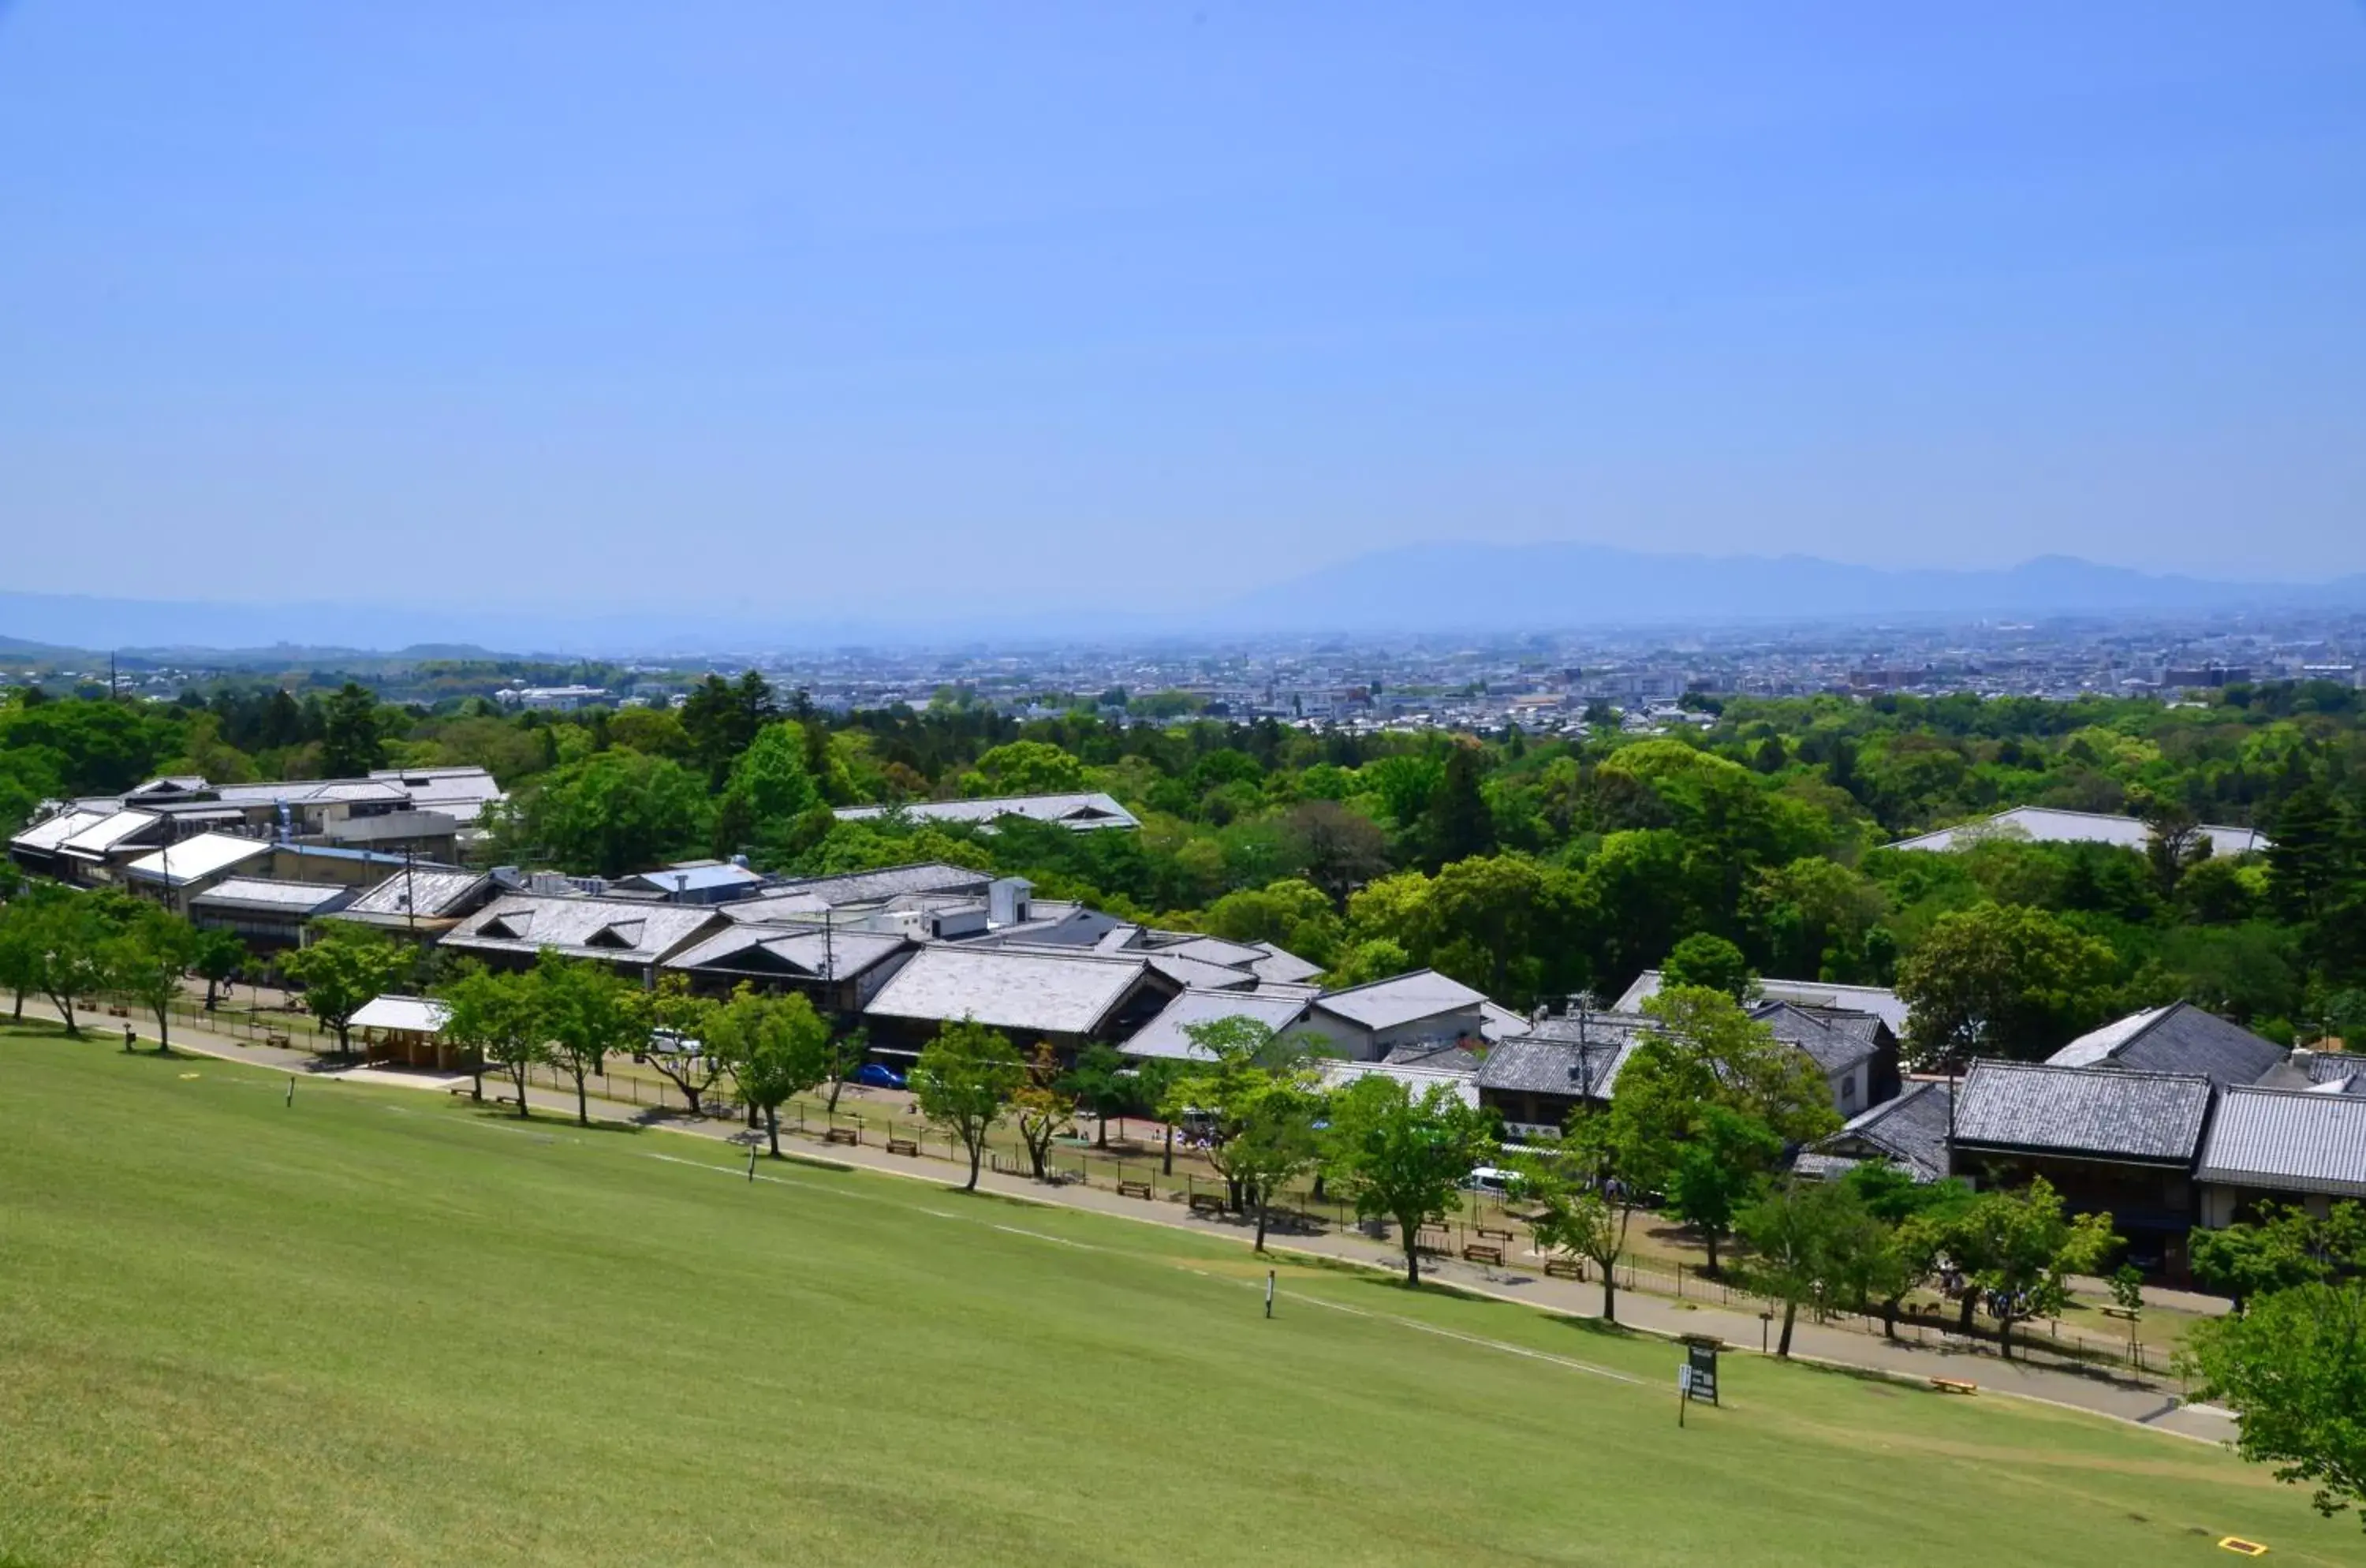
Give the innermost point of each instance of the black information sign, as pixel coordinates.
(1701, 1360)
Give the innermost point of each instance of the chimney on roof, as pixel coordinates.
(740, 860)
(2303, 1057)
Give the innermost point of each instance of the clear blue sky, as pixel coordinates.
(1144, 302)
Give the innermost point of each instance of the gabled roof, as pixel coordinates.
(1280, 966)
(1883, 1004)
(49, 833)
(419, 1015)
(814, 894)
(429, 895)
(2036, 1107)
(1013, 989)
(1165, 1036)
(1910, 1130)
(797, 952)
(2325, 1072)
(2179, 1038)
(256, 894)
(1082, 810)
(1537, 1064)
(1400, 1000)
(2287, 1141)
(1836, 1040)
(2052, 825)
(94, 841)
(194, 860)
(692, 878)
(611, 929)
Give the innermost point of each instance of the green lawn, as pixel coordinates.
(381, 1328)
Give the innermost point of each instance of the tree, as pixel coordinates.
(2294, 1370)
(1024, 767)
(2285, 1246)
(1706, 960)
(1274, 1143)
(674, 1042)
(845, 1056)
(611, 813)
(2019, 1248)
(22, 951)
(722, 716)
(1589, 1186)
(1457, 824)
(770, 791)
(2002, 980)
(1718, 1169)
(496, 1018)
(219, 958)
(1915, 1216)
(342, 968)
(1814, 1244)
(777, 1048)
(1340, 848)
(590, 1013)
(1102, 1083)
(1702, 1049)
(1405, 1158)
(1240, 1062)
(66, 948)
(146, 962)
(351, 741)
(1044, 1107)
(964, 1082)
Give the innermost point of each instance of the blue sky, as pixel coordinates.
(1146, 304)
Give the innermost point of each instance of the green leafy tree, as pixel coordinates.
(2019, 1249)
(341, 969)
(721, 718)
(1044, 1106)
(2283, 1247)
(611, 813)
(1813, 1243)
(964, 1082)
(1274, 1142)
(1702, 1049)
(1100, 1082)
(590, 1013)
(2294, 1370)
(145, 962)
(1024, 767)
(770, 793)
(777, 1048)
(1403, 1157)
(218, 959)
(675, 1024)
(1710, 962)
(1240, 1062)
(1457, 824)
(23, 954)
(497, 1018)
(1718, 1169)
(2002, 980)
(352, 740)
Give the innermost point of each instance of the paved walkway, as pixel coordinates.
(2150, 1402)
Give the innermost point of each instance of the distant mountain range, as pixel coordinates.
(1442, 588)
(1524, 587)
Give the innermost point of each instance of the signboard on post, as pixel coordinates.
(1700, 1370)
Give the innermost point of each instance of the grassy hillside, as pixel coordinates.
(378, 1327)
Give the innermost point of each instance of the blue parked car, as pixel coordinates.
(877, 1074)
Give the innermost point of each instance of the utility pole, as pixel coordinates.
(410, 895)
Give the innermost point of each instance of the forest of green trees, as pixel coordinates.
(1532, 868)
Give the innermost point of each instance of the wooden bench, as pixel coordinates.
(279, 1040)
(1437, 1243)
(842, 1135)
(1207, 1202)
(1565, 1268)
(1502, 1238)
(1955, 1385)
(1135, 1189)
(1478, 1254)
(904, 1147)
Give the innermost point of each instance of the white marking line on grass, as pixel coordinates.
(1038, 1235)
(1471, 1340)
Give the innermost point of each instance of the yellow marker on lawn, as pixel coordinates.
(2241, 1548)
(188, 1074)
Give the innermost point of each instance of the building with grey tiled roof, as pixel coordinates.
(634, 936)
(2179, 1038)
(1166, 1035)
(840, 970)
(2119, 1142)
(2302, 1146)
(1067, 998)
(1856, 1052)
(1909, 1131)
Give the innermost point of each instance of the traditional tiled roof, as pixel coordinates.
(1837, 1041)
(1883, 1004)
(1061, 993)
(2039, 1108)
(1165, 1036)
(2287, 1141)
(619, 930)
(430, 895)
(815, 893)
(1404, 999)
(1083, 810)
(2179, 1038)
(1910, 1130)
(1536, 1064)
(792, 950)
(256, 894)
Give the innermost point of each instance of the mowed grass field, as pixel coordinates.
(381, 1328)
